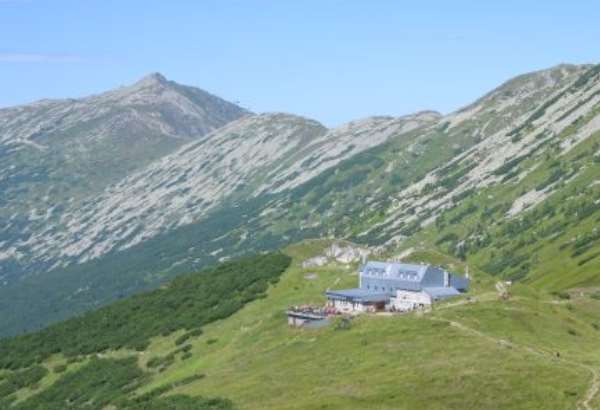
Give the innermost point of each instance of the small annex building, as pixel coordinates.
(396, 286)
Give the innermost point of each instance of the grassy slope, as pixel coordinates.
(545, 241)
(406, 362)
(94, 358)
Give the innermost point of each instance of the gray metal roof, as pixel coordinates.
(357, 295)
(395, 270)
(441, 292)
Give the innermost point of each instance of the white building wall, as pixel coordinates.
(349, 307)
(409, 300)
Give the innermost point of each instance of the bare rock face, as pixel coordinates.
(315, 262)
(344, 253)
(347, 253)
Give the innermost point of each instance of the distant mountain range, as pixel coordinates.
(112, 194)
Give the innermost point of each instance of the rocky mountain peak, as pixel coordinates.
(427, 115)
(152, 79)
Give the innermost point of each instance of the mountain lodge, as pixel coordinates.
(397, 287)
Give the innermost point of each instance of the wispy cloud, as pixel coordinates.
(39, 58)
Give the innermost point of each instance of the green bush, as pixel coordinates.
(104, 382)
(183, 338)
(563, 295)
(187, 302)
(343, 324)
(554, 176)
(449, 237)
(463, 213)
(595, 295)
(24, 378)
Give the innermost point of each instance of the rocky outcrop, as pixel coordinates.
(338, 252)
(347, 253)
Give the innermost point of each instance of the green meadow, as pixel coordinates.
(479, 354)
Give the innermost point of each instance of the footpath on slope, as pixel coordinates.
(582, 404)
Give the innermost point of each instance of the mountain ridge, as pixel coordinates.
(382, 181)
(56, 153)
(250, 143)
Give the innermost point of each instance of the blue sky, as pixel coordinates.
(333, 61)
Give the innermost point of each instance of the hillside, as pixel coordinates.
(262, 154)
(508, 183)
(55, 154)
(183, 208)
(185, 304)
(505, 351)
